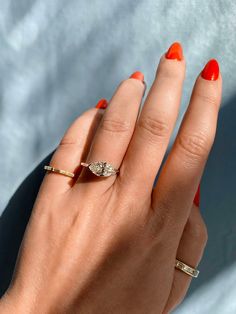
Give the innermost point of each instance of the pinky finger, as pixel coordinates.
(190, 251)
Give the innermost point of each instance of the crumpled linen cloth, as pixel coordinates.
(59, 57)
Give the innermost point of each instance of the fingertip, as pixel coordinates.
(169, 68)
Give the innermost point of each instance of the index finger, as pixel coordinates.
(182, 171)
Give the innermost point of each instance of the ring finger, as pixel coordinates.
(182, 171)
(116, 128)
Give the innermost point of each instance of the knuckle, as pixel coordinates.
(194, 146)
(197, 230)
(208, 98)
(170, 71)
(124, 83)
(161, 224)
(68, 141)
(131, 88)
(129, 84)
(115, 125)
(166, 72)
(155, 128)
(164, 220)
(81, 125)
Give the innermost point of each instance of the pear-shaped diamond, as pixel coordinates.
(101, 168)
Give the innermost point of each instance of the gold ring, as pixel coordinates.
(64, 172)
(101, 168)
(186, 269)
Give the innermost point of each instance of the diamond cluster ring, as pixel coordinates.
(101, 168)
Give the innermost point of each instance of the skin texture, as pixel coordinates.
(108, 245)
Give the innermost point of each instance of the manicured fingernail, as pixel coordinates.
(197, 197)
(175, 51)
(211, 70)
(102, 104)
(138, 76)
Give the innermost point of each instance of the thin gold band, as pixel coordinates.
(186, 268)
(63, 172)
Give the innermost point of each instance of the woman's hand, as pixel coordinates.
(108, 245)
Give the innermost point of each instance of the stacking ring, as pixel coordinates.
(186, 268)
(101, 168)
(63, 172)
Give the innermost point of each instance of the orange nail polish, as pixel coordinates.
(138, 76)
(175, 51)
(197, 197)
(211, 70)
(102, 104)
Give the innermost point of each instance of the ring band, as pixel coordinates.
(186, 268)
(63, 172)
(101, 168)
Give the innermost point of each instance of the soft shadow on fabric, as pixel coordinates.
(14, 220)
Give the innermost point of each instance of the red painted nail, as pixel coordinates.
(175, 51)
(138, 76)
(197, 197)
(211, 70)
(102, 104)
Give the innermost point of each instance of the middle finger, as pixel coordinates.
(156, 122)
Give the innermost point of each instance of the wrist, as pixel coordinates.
(22, 302)
(7, 305)
(10, 304)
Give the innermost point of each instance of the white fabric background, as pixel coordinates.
(59, 57)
